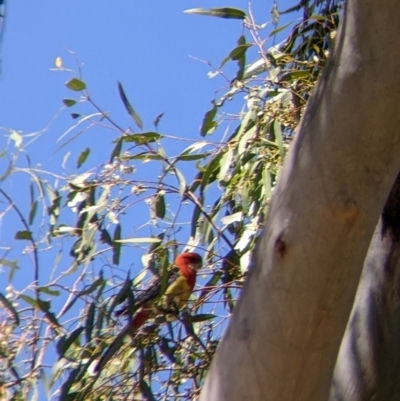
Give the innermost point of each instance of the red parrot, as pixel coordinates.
(180, 286)
(152, 302)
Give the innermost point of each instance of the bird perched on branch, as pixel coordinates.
(153, 301)
(179, 286)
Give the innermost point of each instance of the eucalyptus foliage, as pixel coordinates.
(212, 197)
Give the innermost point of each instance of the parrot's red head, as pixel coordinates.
(189, 260)
(188, 264)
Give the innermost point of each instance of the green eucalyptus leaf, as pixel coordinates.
(158, 205)
(83, 157)
(143, 138)
(131, 111)
(208, 122)
(76, 85)
(202, 317)
(290, 76)
(226, 161)
(32, 212)
(117, 150)
(24, 235)
(186, 158)
(224, 12)
(157, 120)
(117, 245)
(48, 291)
(69, 102)
(280, 29)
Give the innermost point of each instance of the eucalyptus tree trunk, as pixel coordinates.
(286, 330)
(368, 366)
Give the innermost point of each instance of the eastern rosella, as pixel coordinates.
(152, 302)
(180, 285)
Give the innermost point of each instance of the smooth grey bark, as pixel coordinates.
(285, 333)
(368, 365)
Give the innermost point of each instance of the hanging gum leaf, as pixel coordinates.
(157, 120)
(208, 121)
(76, 85)
(117, 245)
(117, 150)
(129, 107)
(69, 102)
(32, 212)
(82, 157)
(24, 235)
(238, 52)
(158, 206)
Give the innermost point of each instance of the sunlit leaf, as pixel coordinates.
(69, 102)
(143, 138)
(24, 235)
(17, 138)
(29, 300)
(186, 158)
(255, 68)
(76, 85)
(80, 180)
(290, 76)
(83, 157)
(224, 12)
(158, 206)
(232, 218)
(182, 182)
(278, 136)
(145, 156)
(236, 54)
(226, 161)
(208, 121)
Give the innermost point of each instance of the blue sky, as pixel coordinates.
(145, 45)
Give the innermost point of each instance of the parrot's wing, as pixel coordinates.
(151, 292)
(142, 297)
(154, 289)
